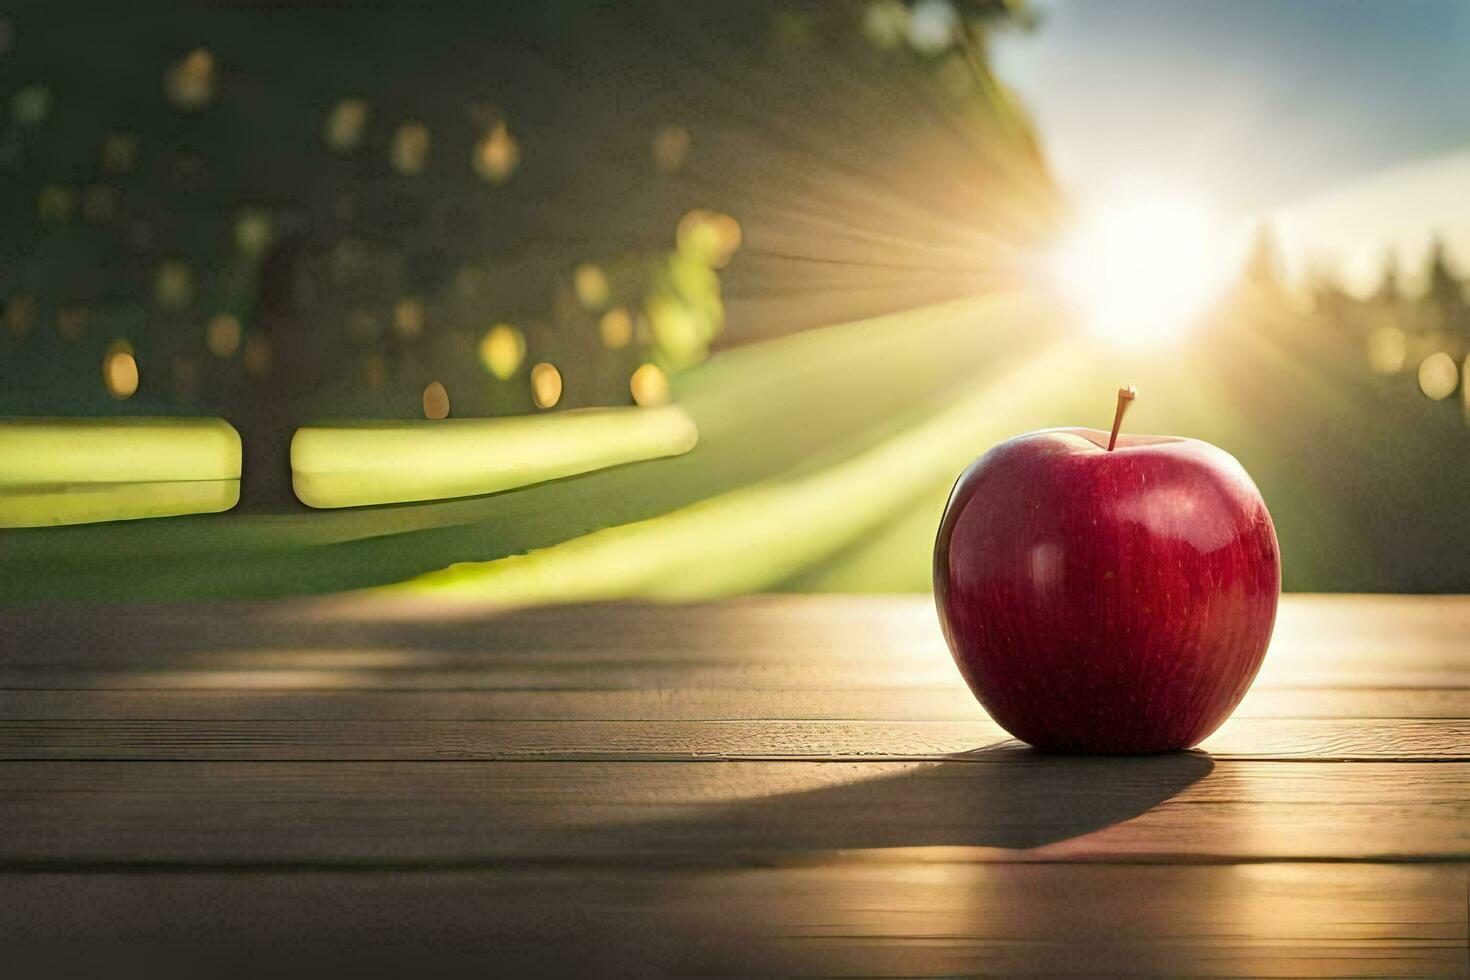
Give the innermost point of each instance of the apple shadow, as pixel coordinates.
(1005, 796)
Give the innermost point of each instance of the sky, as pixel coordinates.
(1260, 104)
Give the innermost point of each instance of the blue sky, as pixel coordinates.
(1259, 103)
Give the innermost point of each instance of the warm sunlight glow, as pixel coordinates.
(1142, 267)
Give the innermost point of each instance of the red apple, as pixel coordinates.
(1107, 601)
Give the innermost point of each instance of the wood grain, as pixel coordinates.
(866, 644)
(571, 740)
(1182, 807)
(840, 918)
(663, 703)
(788, 785)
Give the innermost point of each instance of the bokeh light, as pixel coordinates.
(545, 385)
(683, 309)
(173, 285)
(677, 329)
(190, 83)
(886, 23)
(709, 236)
(591, 285)
(649, 386)
(615, 328)
(670, 149)
(502, 349)
(222, 335)
(408, 152)
(346, 125)
(408, 318)
(436, 401)
(120, 370)
(1439, 375)
(257, 356)
(497, 155)
(1388, 349)
(254, 232)
(932, 26)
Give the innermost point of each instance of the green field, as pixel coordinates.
(822, 463)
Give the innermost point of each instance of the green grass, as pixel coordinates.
(823, 463)
(351, 464)
(783, 410)
(753, 538)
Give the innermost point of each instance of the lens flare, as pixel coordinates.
(1142, 268)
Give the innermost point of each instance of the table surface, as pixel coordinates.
(795, 785)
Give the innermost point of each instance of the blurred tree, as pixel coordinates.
(1331, 303)
(319, 212)
(1444, 294)
(1263, 271)
(1390, 291)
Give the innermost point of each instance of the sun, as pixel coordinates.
(1142, 267)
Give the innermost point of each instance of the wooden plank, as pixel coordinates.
(1277, 702)
(519, 749)
(1182, 807)
(433, 739)
(951, 703)
(1354, 630)
(378, 670)
(767, 643)
(1359, 623)
(834, 918)
(418, 673)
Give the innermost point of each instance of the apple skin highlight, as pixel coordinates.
(1107, 602)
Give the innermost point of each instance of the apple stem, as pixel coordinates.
(1125, 397)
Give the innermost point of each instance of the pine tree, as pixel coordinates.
(1389, 290)
(1264, 270)
(1442, 306)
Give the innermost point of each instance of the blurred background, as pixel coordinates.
(860, 242)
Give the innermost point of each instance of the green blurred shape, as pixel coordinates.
(772, 412)
(87, 503)
(684, 308)
(756, 537)
(351, 464)
(41, 451)
(80, 471)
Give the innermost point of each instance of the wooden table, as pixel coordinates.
(797, 785)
